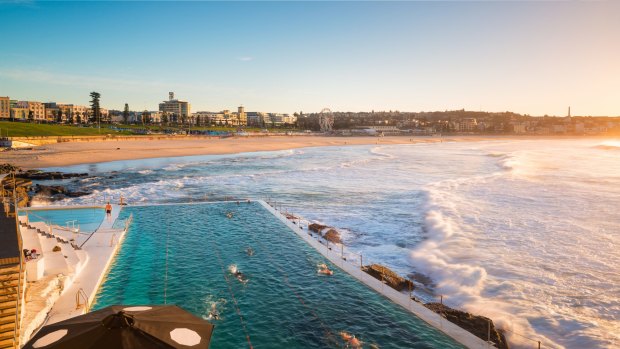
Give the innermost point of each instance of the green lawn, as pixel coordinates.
(25, 129)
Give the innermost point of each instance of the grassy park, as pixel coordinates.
(26, 129)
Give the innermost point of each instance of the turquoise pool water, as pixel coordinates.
(284, 304)
(88, 219)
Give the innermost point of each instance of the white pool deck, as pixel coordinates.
(435, 320)
(101, 248)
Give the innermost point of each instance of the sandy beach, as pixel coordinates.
(68, 153)
(74, 153)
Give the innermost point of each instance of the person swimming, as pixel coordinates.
(355, 343)
(350, 340)
(238, 274)
(214, 314)
(323, 269)
(241, 277)
(249, 251)
(214, 310)
(345, 336)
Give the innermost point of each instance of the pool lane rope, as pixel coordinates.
(232, 294)
(166, 273)
(329, 333)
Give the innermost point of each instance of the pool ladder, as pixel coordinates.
(79, 296)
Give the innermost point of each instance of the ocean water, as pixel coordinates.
(283, 301)
(525, 232)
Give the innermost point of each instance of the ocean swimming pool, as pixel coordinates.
(284, 304)
(88, 219)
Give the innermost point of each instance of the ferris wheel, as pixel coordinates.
(326, 120)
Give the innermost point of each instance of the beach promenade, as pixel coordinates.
(334, 255)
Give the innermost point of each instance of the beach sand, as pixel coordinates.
(74, 153)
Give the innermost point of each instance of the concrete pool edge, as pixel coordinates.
(433, 319)
(102, 250)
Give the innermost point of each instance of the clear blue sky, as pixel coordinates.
(528, 57)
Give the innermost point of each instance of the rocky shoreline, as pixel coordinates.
(480, 326)
(26, 192)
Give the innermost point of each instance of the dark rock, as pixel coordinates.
(49, 190)
(332, 235)
(40, 175)
(56, 192)
(315, 227)
(392, 279)
(6, 168)
(476, 324)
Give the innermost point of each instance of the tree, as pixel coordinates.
(197, 120)
(59, 116)
(30, 115)
(126, 114)
(78, 119)
(94, 105)
(145, 117)
(69, 115)
(164, 118)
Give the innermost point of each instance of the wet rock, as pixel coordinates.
(317, 228)
(328, 233)
(332, 235)
(476, 324)
(392, 279)
(7, 168)
(49, 190)
(40, 175)
(56, 192)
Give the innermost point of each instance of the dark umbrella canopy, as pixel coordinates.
(118, 326)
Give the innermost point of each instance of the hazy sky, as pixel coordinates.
(528, 57)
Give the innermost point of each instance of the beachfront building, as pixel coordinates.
(5, 107)
(377, 130)
(176, 108)
(278, 119)
(202, 118)
(242, 116)
(27, 110)
(154, 117)
(467, 125)
(51, 110)
(256, 118)
(74, 113)
(223, 118)
(19, 113)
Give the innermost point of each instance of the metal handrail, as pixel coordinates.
(78, 304)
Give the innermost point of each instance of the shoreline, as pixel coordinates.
(114, 149)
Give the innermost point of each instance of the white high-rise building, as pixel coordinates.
(175, 107)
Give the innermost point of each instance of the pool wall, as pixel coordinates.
(455, 332)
